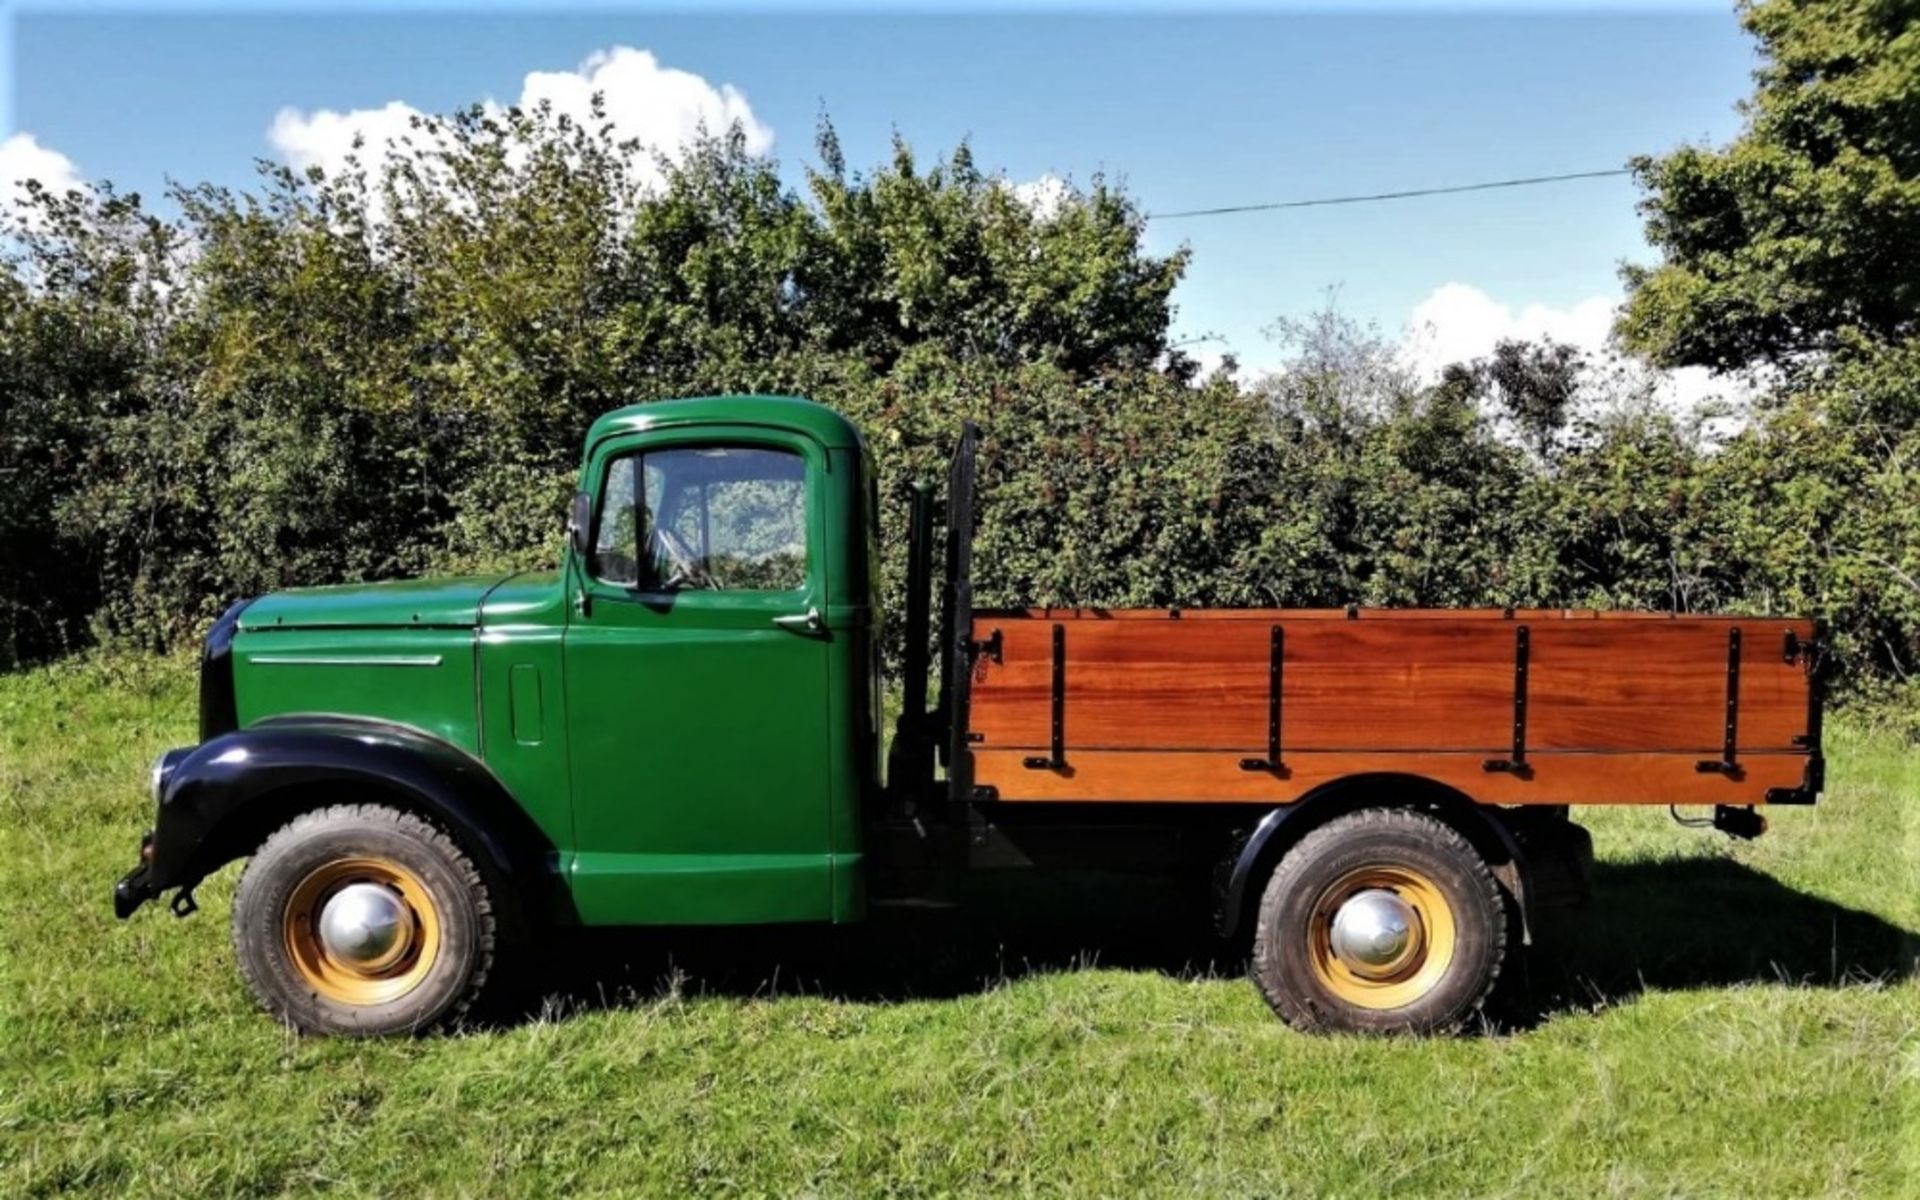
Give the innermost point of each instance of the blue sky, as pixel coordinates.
(1190, 110)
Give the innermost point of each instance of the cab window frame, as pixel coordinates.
(636, 448)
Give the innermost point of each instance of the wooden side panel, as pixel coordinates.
(1203, 685)
(1663, 686)
(1385, 684)
(1170, 776)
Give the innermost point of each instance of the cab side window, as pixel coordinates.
(724, 518)
(616, 554)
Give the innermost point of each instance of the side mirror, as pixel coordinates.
(580, 524)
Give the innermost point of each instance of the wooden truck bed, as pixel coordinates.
(1261, 706)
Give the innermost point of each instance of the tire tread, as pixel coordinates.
(413, 824)
(1300, 1011)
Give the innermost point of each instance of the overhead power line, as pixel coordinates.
(1368, 199)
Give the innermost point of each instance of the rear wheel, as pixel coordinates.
(1382, 921)
(362, 919)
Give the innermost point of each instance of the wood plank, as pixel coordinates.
(1119, 776)
(1336, 614)
(1144, 680)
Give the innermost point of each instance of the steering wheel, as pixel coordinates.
(687, 569)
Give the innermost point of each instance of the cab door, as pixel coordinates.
(696, 681)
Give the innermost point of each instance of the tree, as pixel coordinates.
(388, 370)
(1796, 248)
(1802, 236)
(1337, 368)
(1534, 384)
(955, 257)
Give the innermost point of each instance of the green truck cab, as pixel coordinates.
(685, 736)
(681, 725)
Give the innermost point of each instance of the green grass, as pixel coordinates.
(1724, 1020)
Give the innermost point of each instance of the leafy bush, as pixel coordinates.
(389, 372)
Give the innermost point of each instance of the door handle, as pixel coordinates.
(809, 621)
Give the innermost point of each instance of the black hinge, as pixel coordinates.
(991, 648)
(1517, 763)
(1725, 764)
(1276, 678)
(1057, 760)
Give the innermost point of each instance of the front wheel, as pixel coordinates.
(1381, 921)
(363, 919)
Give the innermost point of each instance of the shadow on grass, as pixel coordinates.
(1705, 922)
(1666, 925)
(1004, 927)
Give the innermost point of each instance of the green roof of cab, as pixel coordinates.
(817, 421)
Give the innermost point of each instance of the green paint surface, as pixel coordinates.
(421, 677)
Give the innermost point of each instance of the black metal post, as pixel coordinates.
(1517, 763)
(1276, 682)
(1058, 758)
(1726, 764)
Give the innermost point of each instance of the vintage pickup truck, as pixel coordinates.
(681, 725)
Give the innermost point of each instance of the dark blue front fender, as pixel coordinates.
(218, 800)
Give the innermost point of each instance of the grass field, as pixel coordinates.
(1723, 1020)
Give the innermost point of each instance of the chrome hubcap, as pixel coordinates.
(1375, 933)
(365, 926)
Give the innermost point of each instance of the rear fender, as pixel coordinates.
(1256, 856)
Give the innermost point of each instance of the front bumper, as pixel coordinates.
(218, 715)
(136, 886)
(131, 892)
(150, 878)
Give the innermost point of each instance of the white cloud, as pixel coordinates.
(23, 158)
(1046, 196)
(1458, 322)
(661, 108)
(325, 138)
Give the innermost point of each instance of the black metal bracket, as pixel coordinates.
(1276, 678)
(1813, 780)
(1794, 650)
(1726, 764)
(183, 904)
(1516, 764)
(1057, 760)
(978, 827)
(1813, 776)
(991, 648)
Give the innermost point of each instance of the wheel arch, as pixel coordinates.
(1253, 857)
(223, 798)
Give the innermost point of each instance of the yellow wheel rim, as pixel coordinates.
(361, 930)
(1406, 961)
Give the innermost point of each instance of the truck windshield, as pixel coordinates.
(719, 517)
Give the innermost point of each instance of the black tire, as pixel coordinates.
(440, 888)
(1439, 991)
